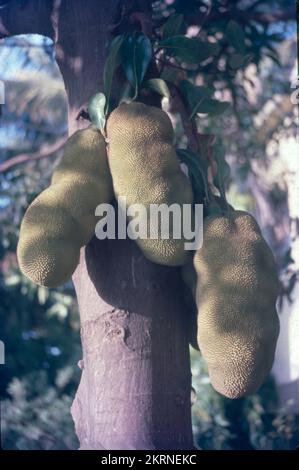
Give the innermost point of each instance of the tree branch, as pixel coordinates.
(47, 151)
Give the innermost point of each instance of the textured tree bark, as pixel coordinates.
(136, 382)
(135, 386)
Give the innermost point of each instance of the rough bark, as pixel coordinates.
(136, 382)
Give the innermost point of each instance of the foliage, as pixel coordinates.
(37, 415)
(253, 422)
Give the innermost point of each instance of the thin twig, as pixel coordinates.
(47, 151)
(207, 14)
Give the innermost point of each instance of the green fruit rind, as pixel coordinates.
(62, 218)
(236, 292)
(145, 169)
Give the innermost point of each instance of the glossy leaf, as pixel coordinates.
(112, 62)
(173, 26)
(96, 110)
(136, 54)
(189, 50)
(159, 86)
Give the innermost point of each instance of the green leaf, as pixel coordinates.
(198, 168)
(235, 36)
(215, 107)
(200, 101)
(112, 62)
(96, 110)
(189, 50)
(223, 170)
(136, 54)
(159, 86)
(173, 26)
(195, 95)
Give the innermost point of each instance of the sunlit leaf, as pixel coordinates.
(159, 86)
(96, 110)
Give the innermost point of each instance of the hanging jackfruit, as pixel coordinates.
(62, 218)
(236, 292)
(145, 169)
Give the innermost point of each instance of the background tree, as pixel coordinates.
(147, 302)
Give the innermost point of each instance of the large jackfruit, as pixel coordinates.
(236, 291)
(62, 218)
(145, 169)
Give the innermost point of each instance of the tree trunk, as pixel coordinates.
(136, 382)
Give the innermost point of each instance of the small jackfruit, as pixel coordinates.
(236, 292)
(145, 169)
(62, 218)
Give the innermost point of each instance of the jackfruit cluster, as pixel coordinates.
(62, 218)
(235, 287)
(145, 169)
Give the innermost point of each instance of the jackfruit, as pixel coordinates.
(236, 292)
(145, 169)
(62, 218)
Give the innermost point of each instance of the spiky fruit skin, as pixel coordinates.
(62, 218)
(145, 169)
(236, 292)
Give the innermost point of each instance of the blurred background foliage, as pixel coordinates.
(40, 327)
